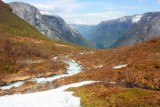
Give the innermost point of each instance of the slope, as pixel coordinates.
(129, 76)
(52, 26)
(26, 53)
(146, 28)
(85, 30)
(127, 30)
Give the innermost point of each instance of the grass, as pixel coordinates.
(11, 24)
(19, 41)
(101, 95)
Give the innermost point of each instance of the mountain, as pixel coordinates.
(25, 52)
(50, 25)
(126, 30)
(85, 30)
(11, 24)
(127, 76)
(147, 27)
(108, 32)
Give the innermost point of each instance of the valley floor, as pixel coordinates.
(56, 97)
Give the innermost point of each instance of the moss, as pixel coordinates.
(9, 69)
(99, 95)
(12, 24)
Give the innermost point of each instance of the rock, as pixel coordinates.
(50, 25)
(2, 83)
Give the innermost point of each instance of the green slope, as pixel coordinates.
(10, 23)
(19, 42)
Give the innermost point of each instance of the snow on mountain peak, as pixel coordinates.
(122, 19)
(46, 13)
(137, 18)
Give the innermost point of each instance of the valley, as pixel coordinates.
(37, 70)
(124, 31)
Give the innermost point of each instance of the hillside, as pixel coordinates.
(50, 25)
(146, 28)
(85, 30)
(127, 30)
(25, 52)
(129, 76)
(36, 71)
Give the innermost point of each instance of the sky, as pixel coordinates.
(93, 11)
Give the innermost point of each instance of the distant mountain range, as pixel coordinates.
(48, 24)
(127, 30)
(85, 30)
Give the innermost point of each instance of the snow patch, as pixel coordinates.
(73, 68)
(56, 97)
(54, 58)
(149, 18)
(81, 53)
(14, 84)
(136, 18)
(122, 19)
(99, 66)
(120, 66)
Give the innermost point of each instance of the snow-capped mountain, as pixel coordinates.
(126, 30)
(145, 27)
(48, 23)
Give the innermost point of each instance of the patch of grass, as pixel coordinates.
(101, 95)
(9, 69)
(12, 24)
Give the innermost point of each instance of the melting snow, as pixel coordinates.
(52, 98)
(54, 59)
(14, 84)
(136, 18)
(74, 68)
(120, 66)
(99, 66)
(81, 53)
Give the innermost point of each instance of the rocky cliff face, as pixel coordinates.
(50, 25)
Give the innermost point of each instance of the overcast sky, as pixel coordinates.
(93, 11)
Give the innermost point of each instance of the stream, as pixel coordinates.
(73, 68)
(57, 97)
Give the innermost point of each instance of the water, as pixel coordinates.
(73, 68)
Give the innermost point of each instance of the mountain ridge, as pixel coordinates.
(52, 26)
(123, 31)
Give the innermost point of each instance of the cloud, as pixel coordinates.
(69, 10)
(7, 1)
(107, 15)
(158, 1)
(58, 5)
(4, 0)
(79, 12)
(91, 18)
